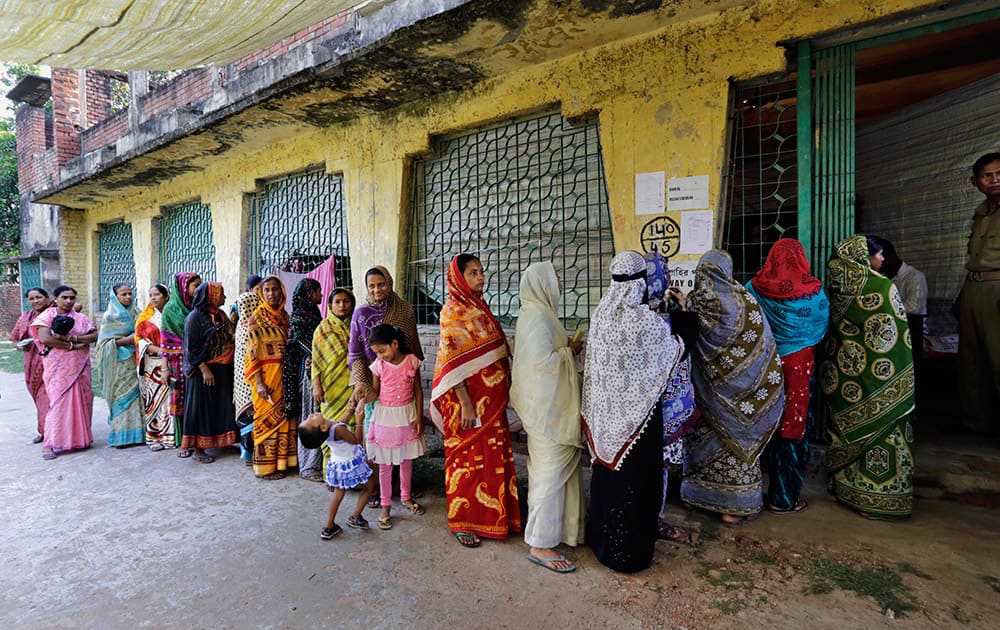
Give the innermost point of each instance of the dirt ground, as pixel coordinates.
(129, 538)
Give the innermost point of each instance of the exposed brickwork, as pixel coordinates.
(190, 88)
(105, 133)
(98, 93)
(10, 307)
(73, 241)
(66, 114)
(321, 31)
(31, 145)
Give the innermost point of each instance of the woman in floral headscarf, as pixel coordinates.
(798, 313)
(245, 305)
(631, 356)
(740, 390)
(867, 376)
(172, 345)
(274, 436)
(469, 399)
(297, 370)
(208, 366)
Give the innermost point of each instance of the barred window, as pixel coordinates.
(31, 276)
(521, 192)
(186, 242)
(296, 223)
(116, 261)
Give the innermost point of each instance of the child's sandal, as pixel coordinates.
(415, 508)
(330, 532)
(357, 522)
(385, 522)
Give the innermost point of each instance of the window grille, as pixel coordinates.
(762, 195)
(297, 223)
(116, 262)
(31, 276)
(521, 192)
(186, 242)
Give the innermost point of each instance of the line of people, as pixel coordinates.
(711, 381)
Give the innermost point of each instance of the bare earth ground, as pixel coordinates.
(129, 538)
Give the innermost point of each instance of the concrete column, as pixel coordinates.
(230, 215)
(145, 246)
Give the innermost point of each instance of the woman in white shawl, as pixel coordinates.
(545, 392)
(631, 356)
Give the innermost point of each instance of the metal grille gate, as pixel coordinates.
(186, 242)
(30, 276)
(116, 261)
(297, 223)
(525, 191)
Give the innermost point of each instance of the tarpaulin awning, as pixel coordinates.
(151, 34)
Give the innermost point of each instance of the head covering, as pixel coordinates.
(208, 297)
(305, 318)
(545, 386)
(246, 304)
(785, 274)
(329, 359)
(737, 375)
(630, 357)
(118, 321)
(208, 333)
(393, 310)
(179, 304)
(793, 300)
(277, 314)
(847, 273)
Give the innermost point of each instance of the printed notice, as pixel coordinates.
(687, 193)
(649, 192)
(696, 231)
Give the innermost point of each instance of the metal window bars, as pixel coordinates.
(186, 242)
(30, 276)
(116, 260)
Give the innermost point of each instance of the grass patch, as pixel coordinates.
(906, 567)
(882, 584)
(708, 532)
(763, 557)
(960, 615)
(11, 359)
(727, 577)
(728, 606)
(428, 475)
(992, 582)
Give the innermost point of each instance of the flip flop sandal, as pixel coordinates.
(374, 502)
(466, 539)
(743, 520)
(157, 447)
(37, 439)
(314, 476)
(185, 452)
(671, 533)
(274, 476)
(385, 522)
(48, 455)
(548, 562)
(357, 522)
(330, 532)
(800, 506)
(204, 459)
(415, 508)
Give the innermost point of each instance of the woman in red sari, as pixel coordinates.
(23, 338)
(469, 399)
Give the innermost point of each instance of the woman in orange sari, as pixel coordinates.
(469, 399)
(274, 438)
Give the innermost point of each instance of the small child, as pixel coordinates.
(396, 433)
(347, 467)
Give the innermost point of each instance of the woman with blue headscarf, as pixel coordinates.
(116, 367)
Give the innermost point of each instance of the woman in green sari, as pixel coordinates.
(867, 377)
(331, 375)
(116, 366)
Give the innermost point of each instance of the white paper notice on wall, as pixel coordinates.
(696, 231)
(687, 193)
(650, 191)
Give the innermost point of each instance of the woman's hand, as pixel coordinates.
(264, 391)
(318, 394)
(206, 375)
(676, 293)
(360, 393)
(469, 419)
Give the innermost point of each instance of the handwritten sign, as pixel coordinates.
(661, 235)
(649, 192)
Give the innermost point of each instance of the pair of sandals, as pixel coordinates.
(354, 522)
(204, 458)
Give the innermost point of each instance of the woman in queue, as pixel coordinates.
(67, 335)
(154, 372)
(172, 345)
(246, 304)
(24, 340)
(297, 370)
(116, 369)
(331, 374)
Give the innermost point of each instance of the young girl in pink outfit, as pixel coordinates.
(396, 433)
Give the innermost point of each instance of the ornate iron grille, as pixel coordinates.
(31, 276)
(297, 223)
(116, 262)
(521, 192)
(186, 242)
(762, 194)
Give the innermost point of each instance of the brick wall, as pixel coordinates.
(10, 307)
(30, 137)
(104, 133)
(66, 114)
(97, 89)
(190, 88)
(73, 241)
(321, 31)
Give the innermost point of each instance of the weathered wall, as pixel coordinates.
(661, 101)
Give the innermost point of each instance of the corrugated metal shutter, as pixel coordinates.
(116, 261)
(186, 242)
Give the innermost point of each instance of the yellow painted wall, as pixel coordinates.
(661, 100)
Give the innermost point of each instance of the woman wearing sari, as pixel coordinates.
(469, 399)
(209, 422)
(172, 345)
(330, 372)
(154, 373)
(67, 375)
(297, 370)
(23, 337)
(116, 369)
(740, 390)
(274, 436)
(631, 355)
(246, 304)
(545, 392)
(867, 376)
(798, 313)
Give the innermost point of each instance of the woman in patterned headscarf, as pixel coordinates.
(208, 367)
(469, 399)
(116, 367)
(297, 370)
(867, 376)
(798, 313)
(246, 304)
(172, 345)
(740, 390)
(154, 373)
(274, 436)
(631, 356)
(331, 374)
